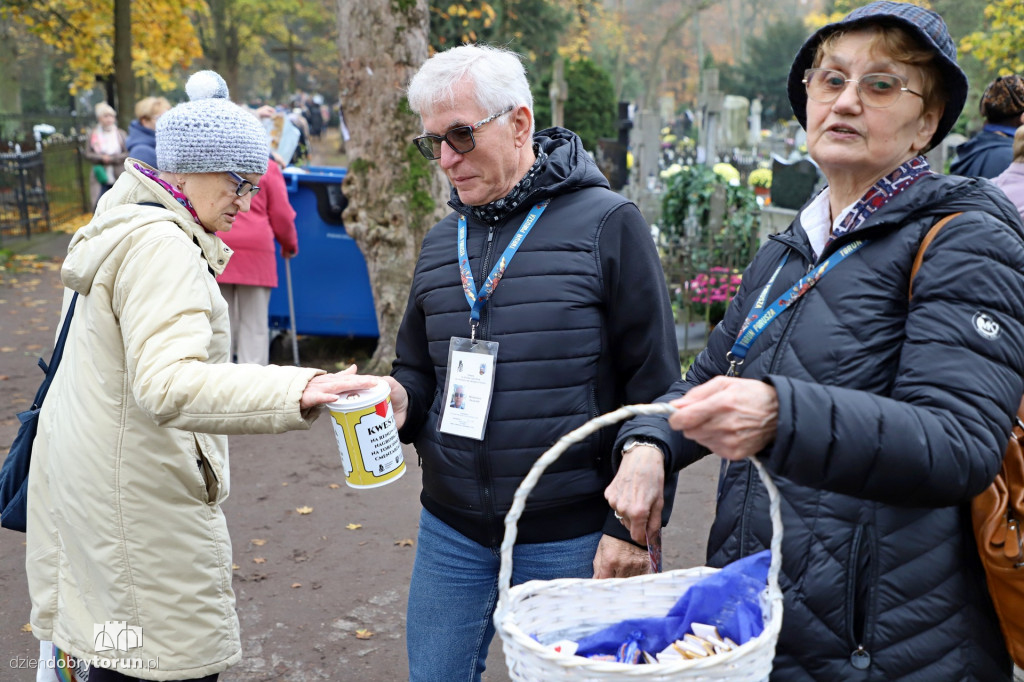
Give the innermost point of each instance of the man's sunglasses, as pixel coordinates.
(244, 186)
(459, 139)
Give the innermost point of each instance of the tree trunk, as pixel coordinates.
(10, 77)
(124, 79)
(395, 195)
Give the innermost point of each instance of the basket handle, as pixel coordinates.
(576, 436)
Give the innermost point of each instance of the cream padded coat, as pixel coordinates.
(130, 465)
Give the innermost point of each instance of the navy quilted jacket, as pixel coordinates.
(893, 414)
(584, 325)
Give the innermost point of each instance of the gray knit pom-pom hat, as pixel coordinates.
(209, 133)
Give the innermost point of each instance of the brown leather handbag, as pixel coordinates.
(997, 515)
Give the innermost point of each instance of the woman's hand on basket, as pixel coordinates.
(324, 388)
(617, 558)
(734, 418)
(637, 493)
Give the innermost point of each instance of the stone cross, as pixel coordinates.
(710, 105)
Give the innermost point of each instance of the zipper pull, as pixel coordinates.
(860, 658)
(490, 234)
(1012, 550)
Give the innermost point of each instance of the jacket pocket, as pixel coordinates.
(858, 596)
(212, 470)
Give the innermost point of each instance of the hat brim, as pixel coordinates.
(954, 77)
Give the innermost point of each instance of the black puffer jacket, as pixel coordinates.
(892, 416)
(584, 325)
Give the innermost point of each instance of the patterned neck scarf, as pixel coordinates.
(493, 212)
(880, 194)
(178, 196)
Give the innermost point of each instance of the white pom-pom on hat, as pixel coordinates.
(206, 85)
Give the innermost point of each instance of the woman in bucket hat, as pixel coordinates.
(128, 553)
(879, 416)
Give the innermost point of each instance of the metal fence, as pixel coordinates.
(41, 184)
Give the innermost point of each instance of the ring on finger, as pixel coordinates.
(618, 515)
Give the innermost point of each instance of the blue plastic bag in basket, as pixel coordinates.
(729, 599)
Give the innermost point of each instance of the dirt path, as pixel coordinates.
(306, 583)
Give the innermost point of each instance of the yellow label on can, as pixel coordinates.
(364, 426)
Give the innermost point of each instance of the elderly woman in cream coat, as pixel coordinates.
(130, 466)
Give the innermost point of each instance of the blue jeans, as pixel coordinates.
(454, 590)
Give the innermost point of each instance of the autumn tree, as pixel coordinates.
(394, 194)
(533, 28)
(262, 38)
(998, 45)
(162, 38)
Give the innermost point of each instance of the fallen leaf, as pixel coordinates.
(363, 543)
(27, 627)
(235, 567)
(7, 349)
(259, 560)
(304, 510)
(258, 543)
(363, 633)
(4, 377)
(354, 526)
(333, 486)
(405, 542)
(296, 585)
(284, 483)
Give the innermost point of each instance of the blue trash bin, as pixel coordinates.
(330, 283)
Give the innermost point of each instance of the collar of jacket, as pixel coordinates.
(136, 188)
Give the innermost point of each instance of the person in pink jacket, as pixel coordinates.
(1011, 180)
(252, 271)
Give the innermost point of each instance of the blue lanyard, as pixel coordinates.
(478, 299)
(757, 321)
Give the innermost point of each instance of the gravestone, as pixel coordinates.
(734, 130)
(755, 123)
(793, 183)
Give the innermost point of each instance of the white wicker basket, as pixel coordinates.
(571, 608)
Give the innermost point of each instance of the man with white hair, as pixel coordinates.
(542, 295)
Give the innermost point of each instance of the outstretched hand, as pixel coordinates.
(324, 388)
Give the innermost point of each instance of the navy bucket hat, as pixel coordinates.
(923, 24)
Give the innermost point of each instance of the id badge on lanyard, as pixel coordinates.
(469, 383)
(468, 388)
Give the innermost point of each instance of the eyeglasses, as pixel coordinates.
(876, 90)
(459, 139)
(244, 186)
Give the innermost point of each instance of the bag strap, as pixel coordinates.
(1017, 432)
(58, 353)
(924, 245)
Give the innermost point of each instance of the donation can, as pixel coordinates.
(364, 425)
